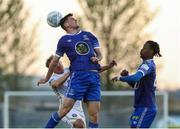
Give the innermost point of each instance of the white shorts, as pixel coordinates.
(73, 115)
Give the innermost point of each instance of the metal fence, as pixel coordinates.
(27, 109)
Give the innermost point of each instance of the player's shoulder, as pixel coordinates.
(66, 70)
(55, 76)
(148, 64)
(84, 31)
(64, 37)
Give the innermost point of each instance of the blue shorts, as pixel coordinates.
(142, 117)
(84, 85)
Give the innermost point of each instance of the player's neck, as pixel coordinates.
(73, 31)
(150, 58)
(58, 71)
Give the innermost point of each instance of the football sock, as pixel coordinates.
(53, 120)
(92, 125)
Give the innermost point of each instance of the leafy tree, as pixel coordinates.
(17, 44)
(119, 24)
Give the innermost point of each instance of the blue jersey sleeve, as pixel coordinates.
(60, 48)
(132, 78)
(145, 69)
(94, 40)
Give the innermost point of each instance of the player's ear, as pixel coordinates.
(66, 25)
(152, 52)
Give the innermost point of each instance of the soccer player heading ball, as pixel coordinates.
(83, 51)
(144, 84)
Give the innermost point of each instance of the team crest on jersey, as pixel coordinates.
(74, 115)
(82, 48)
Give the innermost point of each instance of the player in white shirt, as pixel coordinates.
(75, 118)
(59, 83)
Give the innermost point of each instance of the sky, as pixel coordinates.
(165, 29)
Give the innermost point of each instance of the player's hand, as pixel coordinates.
(115, 79)
(94, 59)
(112, 63)
(41, 81)
(124, 73)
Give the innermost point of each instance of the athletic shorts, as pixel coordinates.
(73, 115)
(84, 85)
(142, 117)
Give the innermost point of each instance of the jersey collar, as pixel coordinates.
(75, 34)
(149, 60)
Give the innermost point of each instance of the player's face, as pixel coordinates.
(59, 68)
(146, 52)
(72, 22)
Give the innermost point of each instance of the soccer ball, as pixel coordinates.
(53, 18)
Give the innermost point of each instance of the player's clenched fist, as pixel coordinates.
(124, 73)
(41, 81)
(114, 79)
(112, 63)
(94, 59)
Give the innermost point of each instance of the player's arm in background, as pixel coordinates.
(123, 73)
(58, 55)
(54, 62)
(51, 68)
(98, 55)
(60, 81)
(106, 67)
(132, 79)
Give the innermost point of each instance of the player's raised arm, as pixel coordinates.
(60, 81)
(106, 67)
(129, 78)
(123, 73)
(98, 57)
(142, 71)
(51, 68)
(98, 54)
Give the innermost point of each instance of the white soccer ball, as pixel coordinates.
(53, 18)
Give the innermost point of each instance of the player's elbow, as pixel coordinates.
(100, 57)
(137, 77)
(98, 54)
(54, 85)
(135, 80)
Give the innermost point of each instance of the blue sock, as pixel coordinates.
(53, 121)
(92, 125)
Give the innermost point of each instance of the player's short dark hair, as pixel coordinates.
(48, 61)
(63, 20)
(155, 47)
